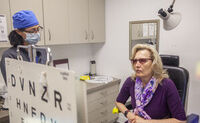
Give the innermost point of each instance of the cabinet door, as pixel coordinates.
(5, 10)
(78, 23)
(33, 5)
(97, 20)
(56, 21)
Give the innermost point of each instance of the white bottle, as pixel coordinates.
(93, 68)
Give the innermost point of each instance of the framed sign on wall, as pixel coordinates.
(144, 31)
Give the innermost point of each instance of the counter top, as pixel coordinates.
(91, 87)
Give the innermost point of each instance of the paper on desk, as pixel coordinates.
(100, 79)
(145, 30)
(3, 28)
(152, 29)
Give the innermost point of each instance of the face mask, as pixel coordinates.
(32, 38)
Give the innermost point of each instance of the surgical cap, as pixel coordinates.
(24, 19)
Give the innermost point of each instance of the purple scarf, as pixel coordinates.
(143, 96)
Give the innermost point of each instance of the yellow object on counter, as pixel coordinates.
(84, 78)
(115, 110)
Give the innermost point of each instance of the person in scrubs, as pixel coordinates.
(26, 32)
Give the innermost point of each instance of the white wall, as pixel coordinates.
(79, 56)
(112, 57)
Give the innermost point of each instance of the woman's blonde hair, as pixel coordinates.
(157, 67)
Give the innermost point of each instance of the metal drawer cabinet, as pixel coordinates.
(100, 103)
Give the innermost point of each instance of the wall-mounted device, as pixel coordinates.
(170, 19)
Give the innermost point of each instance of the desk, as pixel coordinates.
(95, 101)
(4, 118)
(101, 100)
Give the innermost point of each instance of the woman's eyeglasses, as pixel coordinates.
(34, 30)
(141, 60)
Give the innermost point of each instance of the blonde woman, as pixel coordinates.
(154, 96)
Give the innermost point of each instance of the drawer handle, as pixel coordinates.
(86, 35)
(103, 103)
(49, 34)
(104, 121)
(92, 35)
(104, 112)
(104, 93)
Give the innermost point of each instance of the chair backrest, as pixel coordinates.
(178, 75)
(170, 60)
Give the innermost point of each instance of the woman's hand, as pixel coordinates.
(130, 116)
(138, 119)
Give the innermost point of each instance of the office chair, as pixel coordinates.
(178, 75)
